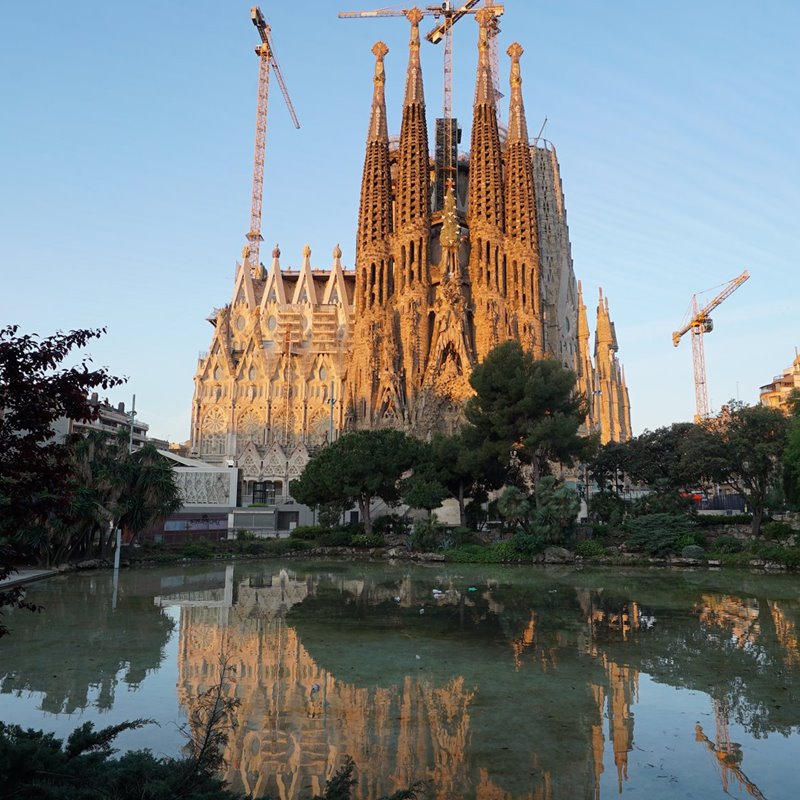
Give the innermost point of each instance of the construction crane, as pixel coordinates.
(701, 323)
(446, 133)
(266, 54)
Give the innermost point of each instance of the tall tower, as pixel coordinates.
(521, 242)
(412, 216)
(373, 361)
(584, 370)
(612, 407)
(485, 214)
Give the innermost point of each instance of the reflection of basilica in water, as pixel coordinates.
(297, 720)
(490, 683)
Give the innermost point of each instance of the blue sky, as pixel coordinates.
(127, 137)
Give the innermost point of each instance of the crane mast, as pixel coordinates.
(266, 54)
(699, 324)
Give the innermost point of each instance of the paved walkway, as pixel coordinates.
(25, 575)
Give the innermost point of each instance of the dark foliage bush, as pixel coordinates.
(715, 520)
(727, 544)
(307, 533)
(776, 529)
(337, 538)
(693, 551)
(427, 535)
(590, 548)
(390, 525)
(367, 540)
(656, 534)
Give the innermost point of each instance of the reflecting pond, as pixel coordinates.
(485, 682)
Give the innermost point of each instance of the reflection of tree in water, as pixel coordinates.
(99, 642)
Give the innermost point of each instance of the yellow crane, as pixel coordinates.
(266, 53)
(700, 323)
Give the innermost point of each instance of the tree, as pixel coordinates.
(35, 391)
(744, 447)
(459, 468)
(113, 488)
(524, 413)
(357, 468)
(791, 456)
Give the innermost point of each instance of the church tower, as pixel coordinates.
(485, 205)
(612, 406)
(412, 214)
(521, 268)
(375, 375)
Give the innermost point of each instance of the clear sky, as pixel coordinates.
(126, 148)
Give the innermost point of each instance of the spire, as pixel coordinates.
(414, 91)
(583, 323)
(375, 211)
(603, 332)
(517, 125)
(484, 86)
(413, 194)
(520, 197)
(485, 202)
(378, 129)
(449, 236)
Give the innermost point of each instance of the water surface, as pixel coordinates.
(485, 682)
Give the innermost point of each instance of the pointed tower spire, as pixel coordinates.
(522, 249)
(413, 170)
(375, 210)
(412, 225)
(485, 215)
(583, 363)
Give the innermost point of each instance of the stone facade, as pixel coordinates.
(299, 356)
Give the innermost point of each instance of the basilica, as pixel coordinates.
(455, 253)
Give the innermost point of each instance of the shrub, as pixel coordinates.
(590, 548)
(243, 535)
(338, 538)
(473, 554)
(775, 529)
(390, 525)
(692, 538)
(428, 534)
(693, 551)
(457, 537)
(527, 545)
(200, 549)
(657, 534)
(506, 551)
(367, 540)
(307, 533)
(727, 544)
(714, 520)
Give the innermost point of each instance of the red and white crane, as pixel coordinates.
(266, 53)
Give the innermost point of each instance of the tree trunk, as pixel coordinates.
(461, 513)
(363, 507)
(758, 513)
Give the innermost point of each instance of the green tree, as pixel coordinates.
(357, 468)
(36, 390)
(556, 509)
(524, 413)
(514, 507)
(745, 447)
(110, 488)
(791, 456)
